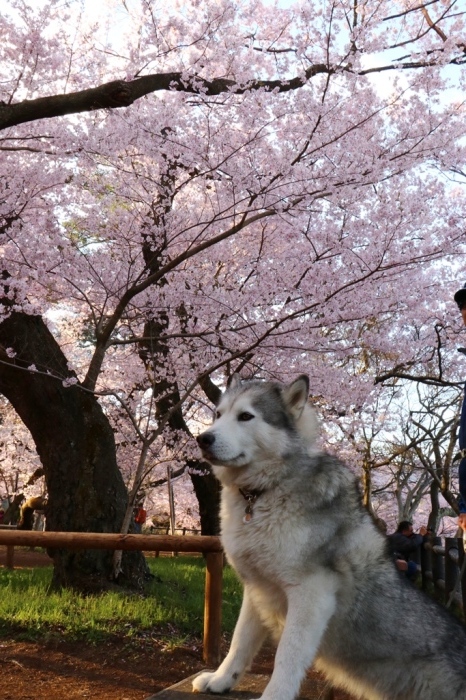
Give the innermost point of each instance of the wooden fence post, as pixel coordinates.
(461, 557)
(10, 556)
(213, 607)
(426, 563)
(438, 563)
(451, 568)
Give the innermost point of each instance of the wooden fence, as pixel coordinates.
(441, 565)
(210, 546)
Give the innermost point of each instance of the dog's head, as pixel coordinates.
(259, 422)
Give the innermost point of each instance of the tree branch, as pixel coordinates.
(422, 379)
(120, 93)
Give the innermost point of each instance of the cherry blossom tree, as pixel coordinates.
(211, 187)
(21, 474)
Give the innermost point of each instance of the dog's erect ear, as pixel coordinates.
(234, 381)
(296, 394)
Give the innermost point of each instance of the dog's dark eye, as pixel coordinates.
(218, 414)
(245, 416)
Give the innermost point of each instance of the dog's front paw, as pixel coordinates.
(211, 682)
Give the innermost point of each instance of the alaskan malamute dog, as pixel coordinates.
(315, 570)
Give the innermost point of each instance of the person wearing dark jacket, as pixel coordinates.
(403, 543)
(460, 299)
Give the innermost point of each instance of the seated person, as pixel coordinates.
(403, 543)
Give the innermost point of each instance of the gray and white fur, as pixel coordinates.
(316, 574)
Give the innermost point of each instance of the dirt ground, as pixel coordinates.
(109, 671)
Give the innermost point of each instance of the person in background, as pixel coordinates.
(460, 299)
(140, 516)
(403, 544)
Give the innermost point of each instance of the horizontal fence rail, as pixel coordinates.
(110, 540)
(165, 529)
(210, 546)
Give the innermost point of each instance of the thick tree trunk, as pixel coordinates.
(76, 446)
(167, 395)
(207, 489)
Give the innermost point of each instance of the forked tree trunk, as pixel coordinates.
(76, 446)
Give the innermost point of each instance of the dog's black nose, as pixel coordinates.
(205, 440)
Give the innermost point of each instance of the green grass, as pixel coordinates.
(172, 605)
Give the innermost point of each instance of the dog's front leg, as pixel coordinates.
(247, 639)
(311, 604)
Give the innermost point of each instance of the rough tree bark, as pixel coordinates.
(166, 392)
(75, 443)
(154, 352)
(207, 489)
(119, 93)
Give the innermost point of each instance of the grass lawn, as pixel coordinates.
(171, 607)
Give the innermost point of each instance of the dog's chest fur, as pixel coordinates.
(262, 547)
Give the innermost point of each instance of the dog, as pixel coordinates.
(316, 572)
